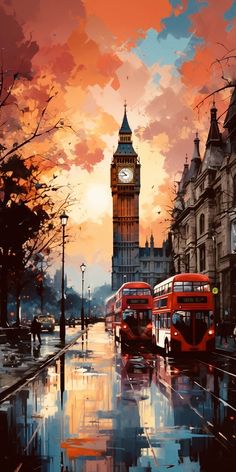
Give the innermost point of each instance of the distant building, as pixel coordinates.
(204, 214)
(154, 262)
(129, 261)
(57, 281)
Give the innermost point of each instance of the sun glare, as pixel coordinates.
(97, 200)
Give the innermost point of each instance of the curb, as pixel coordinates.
(219, 350)
(33, 372)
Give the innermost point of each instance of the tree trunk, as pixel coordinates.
(18, 314)
(4, 290)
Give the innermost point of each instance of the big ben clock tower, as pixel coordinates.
(125, 187)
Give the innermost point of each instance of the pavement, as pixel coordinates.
(22, 361)
(229, 347)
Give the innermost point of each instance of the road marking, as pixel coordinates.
(217, 398)
(218, 368)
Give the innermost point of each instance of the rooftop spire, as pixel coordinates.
(230, 118)
(196, 160)
(125, 146)
(125, 128)
(231, 112)
(196, 152)
(151, 240)
(184, 178)
(214, 136)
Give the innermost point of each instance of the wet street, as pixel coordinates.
(97, 410)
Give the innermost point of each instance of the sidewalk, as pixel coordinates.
(230, 347)
(21, 362)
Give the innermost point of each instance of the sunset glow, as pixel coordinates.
(161, 57)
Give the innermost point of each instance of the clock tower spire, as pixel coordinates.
(125, 188)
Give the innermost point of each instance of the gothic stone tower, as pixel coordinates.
(125, 187)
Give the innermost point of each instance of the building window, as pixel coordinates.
(233, 236)
(202, 223)
(202, 258)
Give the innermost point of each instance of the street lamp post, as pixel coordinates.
(89, 303)
(64, 219)
(82, 268)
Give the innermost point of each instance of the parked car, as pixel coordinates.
(71, 321)
(47, 322)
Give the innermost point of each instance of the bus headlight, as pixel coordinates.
(175, 333)
(125, 326)
(210, 331)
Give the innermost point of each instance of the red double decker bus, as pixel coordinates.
(110, 313)
(183, 318)
(128, 313)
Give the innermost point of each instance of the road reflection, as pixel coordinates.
(99, 410)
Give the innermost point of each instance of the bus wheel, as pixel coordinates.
(167, 347)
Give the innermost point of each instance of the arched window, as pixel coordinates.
(202, 223)
(202, 258)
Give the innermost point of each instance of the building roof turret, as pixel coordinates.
(185, 176)
(214, 135)
(230, 120)
(196, 160)
(231, 112)
(151, 240)
(214, 155)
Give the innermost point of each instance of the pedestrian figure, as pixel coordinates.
(223, 332)
(234, 334)
(36, 329)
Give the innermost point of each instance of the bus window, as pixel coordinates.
(181, 318)
(183, 322)
(206, 288)
(188, 287)
(202, 319)
(136, 291)
(178, 287)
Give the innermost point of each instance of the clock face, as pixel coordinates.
(125, 175)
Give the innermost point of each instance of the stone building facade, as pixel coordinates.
(130, 262)
(203, 229)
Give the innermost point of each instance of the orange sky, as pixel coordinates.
(159, 56)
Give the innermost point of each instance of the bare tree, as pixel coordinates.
(29, 215)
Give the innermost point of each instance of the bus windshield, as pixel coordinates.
(191, 286)
(185, 321)
(140, 317)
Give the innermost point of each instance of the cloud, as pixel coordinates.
(85, 158)
(161, 58)
(128, 20)
(16, 51)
